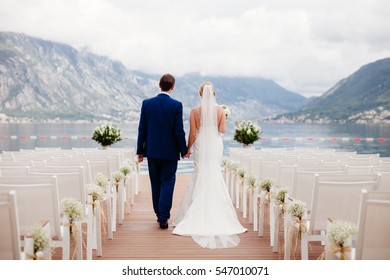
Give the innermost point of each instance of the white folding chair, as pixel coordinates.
(72, 183)
(39, 202)
(373, 242)
(336, 197)
(384, 184)
(10, 248)
(14, 171)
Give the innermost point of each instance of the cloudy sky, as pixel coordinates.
(304, 45)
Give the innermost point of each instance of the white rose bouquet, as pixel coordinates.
(107, 134)
(246, 132)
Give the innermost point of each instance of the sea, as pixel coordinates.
(364, 139)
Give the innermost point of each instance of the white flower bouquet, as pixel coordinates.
(225, 162)
(297, 209)
(251, 182)
(246, 132)
(339, 240)
(233, 165)
(101, 180)
(241, 172)
(125, 169)
(339, 231)
(73, 209)
(96, 192)
(266, 185)
(279, 195)
(107, 134)
(227, 110)
(41, 242)
(117, 177)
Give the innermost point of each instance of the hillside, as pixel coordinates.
(47, 81)
(363, 97)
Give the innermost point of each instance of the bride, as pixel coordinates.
(206, 212)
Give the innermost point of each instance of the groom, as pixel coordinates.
(161, 138)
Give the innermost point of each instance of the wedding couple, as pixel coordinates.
(206, 212)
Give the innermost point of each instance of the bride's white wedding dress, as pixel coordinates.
(206, 212)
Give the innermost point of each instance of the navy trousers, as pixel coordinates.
(162, 174)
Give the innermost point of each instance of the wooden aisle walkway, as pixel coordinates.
(140, 238)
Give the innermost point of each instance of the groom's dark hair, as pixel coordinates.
(167, 82)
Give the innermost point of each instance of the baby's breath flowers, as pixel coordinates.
(241, 172)
(251, 182)
(117, 177)
(96, 192)
(41, 240)
(101, 180)
(339, 231)
(297, 209)
(73, 209)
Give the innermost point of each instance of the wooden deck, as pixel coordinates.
(140, 238)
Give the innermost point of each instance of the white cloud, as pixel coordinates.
(306, 46)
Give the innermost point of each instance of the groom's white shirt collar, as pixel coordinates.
(163, 92)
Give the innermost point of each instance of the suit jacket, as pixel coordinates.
(160, 132)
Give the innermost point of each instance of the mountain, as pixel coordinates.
(47, 81)
(363, 97)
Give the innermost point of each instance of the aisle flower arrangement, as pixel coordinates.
(117, 177)
(251, 182)
(339, 234)
(265, 186)
(246, 132)
(107, 134)
(41, 243)
(297, 210)
(279, 195)
(101, 180)
(73, 209)
(97, 192)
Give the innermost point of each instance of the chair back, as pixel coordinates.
(304, 177)
(14, 171)
(9, 229)
(373, 242)
(338, 197)
(37, 203)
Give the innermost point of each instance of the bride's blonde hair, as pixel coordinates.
(202, 86)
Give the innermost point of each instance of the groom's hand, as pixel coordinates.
(187, 155)
(140, 158)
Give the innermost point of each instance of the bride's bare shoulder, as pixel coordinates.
(195, 109)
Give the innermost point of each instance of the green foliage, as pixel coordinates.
(246, 132)
(107, 134)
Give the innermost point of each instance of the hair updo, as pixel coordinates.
(202, 86)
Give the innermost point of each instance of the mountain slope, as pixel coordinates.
(364, 96)
(42, 80)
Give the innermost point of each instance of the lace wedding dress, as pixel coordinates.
(206, 212)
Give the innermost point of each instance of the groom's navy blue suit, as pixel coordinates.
(161, 138)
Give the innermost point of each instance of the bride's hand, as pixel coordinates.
(187, 155)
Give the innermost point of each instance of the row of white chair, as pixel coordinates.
(70, 181)
(300, 179)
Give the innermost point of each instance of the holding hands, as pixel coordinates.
(187, 155)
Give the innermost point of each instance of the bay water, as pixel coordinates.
(345, 137)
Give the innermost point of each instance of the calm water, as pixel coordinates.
(351, 137)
